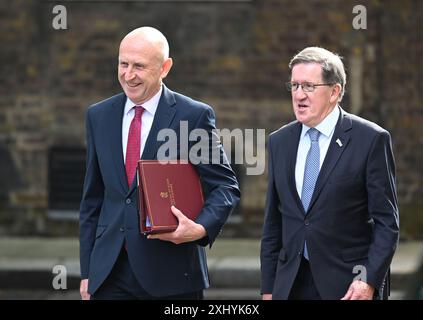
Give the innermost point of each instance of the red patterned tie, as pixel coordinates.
(134, 145)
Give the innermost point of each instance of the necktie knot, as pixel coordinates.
(314, 134)
(138, 112)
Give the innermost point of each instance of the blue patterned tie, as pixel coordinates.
(311, 172)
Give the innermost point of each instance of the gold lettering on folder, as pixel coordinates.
(171, 193)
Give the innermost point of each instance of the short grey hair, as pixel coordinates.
(332, 67)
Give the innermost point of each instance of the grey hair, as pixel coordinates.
(333, 70)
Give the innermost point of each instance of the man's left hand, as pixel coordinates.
(186, 231)
(359, 290)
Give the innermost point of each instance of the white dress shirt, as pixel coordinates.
(326, 128)
(147, 118)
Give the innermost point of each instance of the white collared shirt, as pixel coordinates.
(147, 118)
(326, 128)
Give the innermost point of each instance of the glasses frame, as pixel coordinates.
(289, 86)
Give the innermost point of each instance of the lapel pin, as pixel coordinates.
(339, 142)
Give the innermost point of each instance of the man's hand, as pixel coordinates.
(83, 290)
(359, 290)
(186, 231)
(267, 296)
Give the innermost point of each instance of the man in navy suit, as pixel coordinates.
(117, 261)
(331, 222)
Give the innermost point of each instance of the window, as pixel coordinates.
(66, 171)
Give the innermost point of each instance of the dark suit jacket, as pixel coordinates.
(108, 212)
(352, 219)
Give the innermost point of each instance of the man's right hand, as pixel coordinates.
(83, 290)
(267, 296)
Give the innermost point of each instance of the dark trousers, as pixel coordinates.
(121, 284)
(304, 287)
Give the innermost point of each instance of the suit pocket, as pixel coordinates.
(99, 231)
(356, 253)
(282, 255)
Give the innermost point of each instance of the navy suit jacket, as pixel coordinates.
(352, 224)
(108, 211)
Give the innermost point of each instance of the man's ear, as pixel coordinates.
(166, 66)
(336, 91)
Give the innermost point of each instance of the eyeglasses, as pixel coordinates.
(306, 86)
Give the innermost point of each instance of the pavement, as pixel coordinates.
(27, 268)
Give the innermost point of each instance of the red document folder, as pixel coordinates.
(161, 185)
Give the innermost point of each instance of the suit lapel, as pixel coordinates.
(164, 115)
(162, 119)
(114, 127)
(291, 151)
(333, 154)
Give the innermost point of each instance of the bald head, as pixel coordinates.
(151, 37)
(143, 63)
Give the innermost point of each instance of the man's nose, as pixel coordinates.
(129, 74)
(300, 94)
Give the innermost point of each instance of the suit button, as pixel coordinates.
(128, 201)
(121, 229)
(299, 253)
(306, 222)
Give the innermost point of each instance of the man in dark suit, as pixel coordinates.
(117, 261)
(331, 222)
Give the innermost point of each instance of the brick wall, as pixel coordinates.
(233, 55)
